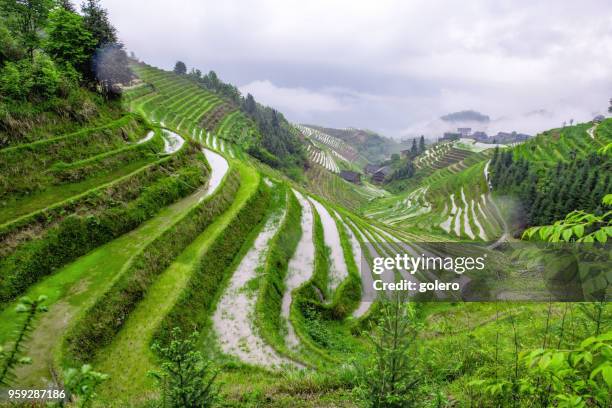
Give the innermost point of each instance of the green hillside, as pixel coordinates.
(368, 144)
(163, 237)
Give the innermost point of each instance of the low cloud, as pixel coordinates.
(391, 65)
(296, 102)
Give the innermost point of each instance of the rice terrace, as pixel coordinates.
(176, 238)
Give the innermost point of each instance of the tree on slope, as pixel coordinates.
(180, 68)
(68, 41)
(187, 380)
(249, 104)
(9, 47)
(110, 62)
(414, 149)
(390, 376)
(422, 144)
(67, 5)
(96, 21)
(26, 18)
(13, 357)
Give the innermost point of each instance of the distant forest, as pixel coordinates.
(548, 194)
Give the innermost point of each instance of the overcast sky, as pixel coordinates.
(390, 66)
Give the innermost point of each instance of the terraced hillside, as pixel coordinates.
(162, 210)
(565, 144)
(328, 156)
(161, 220)
(447, 195)
(178, 103)
(453, 182)
(366, 145)
(453, 202)
(166, 241)
(323, 157)
(340, 148)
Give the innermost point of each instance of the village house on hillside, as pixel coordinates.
(351, 176)
(464, 132)
(449, 136)
(371, 168)
(480, 136)
(381, 174)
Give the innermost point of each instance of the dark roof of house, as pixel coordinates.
(350, 175)
(371, 168)
(384, 170)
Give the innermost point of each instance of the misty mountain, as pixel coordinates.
(466, 116)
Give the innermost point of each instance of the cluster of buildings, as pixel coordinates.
(377, 172)
(479, 136)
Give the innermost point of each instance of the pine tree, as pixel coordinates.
(97, 22)
(422, 144)
(186, 379)
(10, 359)
(180, 68)
(249, 104)
(390, 377)
(414, 148)
(495, 155)
(67, 5)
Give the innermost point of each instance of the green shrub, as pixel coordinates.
(9, 49)
(13, 357)
(33, 80)
(581, 377)
(15, 83)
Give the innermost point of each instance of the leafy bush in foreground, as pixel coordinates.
(581, 377)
